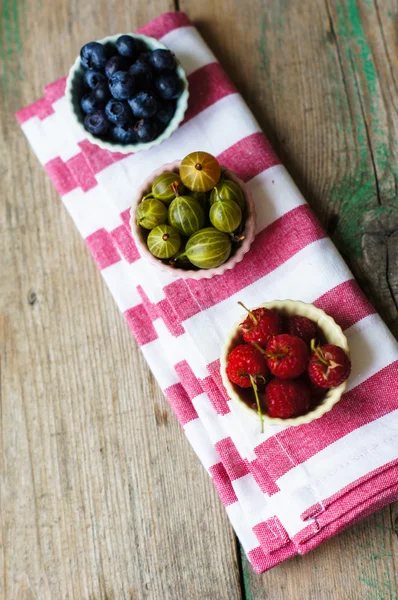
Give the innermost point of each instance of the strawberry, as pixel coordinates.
(287, 356)
(259, 325)
(329, 365)
(246, 362)
(317, 393)
(287, 398)
(246, 367)
(301, 327)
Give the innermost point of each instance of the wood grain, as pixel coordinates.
(321, 78)
(88, 443)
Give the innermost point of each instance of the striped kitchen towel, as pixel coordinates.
(290, 488)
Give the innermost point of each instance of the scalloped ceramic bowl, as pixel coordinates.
(74, 87)
(137, 231)
(333, 334)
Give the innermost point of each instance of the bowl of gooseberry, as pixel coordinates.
(127, 92)
(193, 218)
(285, 362)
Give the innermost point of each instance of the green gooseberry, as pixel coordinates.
(164, 241)
(186, 215)
(150, 213)
(167, 186)
(208, 248)
(226, 216)
(228, 190)
(201, 197)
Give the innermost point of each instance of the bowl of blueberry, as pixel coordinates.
(127, 92)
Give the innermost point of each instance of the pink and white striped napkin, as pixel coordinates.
(286, 490)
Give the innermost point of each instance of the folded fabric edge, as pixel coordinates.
(316, 533)
(264, 562)
(367, 486)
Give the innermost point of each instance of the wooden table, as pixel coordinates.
(88, 442)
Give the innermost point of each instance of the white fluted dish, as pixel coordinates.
(333, 334)
(75, 89)
(244, 246)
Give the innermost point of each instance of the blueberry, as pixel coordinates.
(96, 123)
(101, 92)
(166, 112)
(143, 74)
(115, 63)
(128, 46)
(162, 60)
(169, 86)
(145, 57)
(110, 49)
(93, 56)
(89, 103)
(124, 134)
(122, 85)
(146, 130)
(143, 105)
(118, 112)
(92, 78)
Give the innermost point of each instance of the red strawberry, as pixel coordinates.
(287, 356)
(287, 398)
(301, 327)
(317, 393)
(259, 325)
(329, 366)
(245, 361)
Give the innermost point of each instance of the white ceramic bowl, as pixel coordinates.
(74, 92)
(333, 334)
(138, 232)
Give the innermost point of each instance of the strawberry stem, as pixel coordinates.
(333, 364)
(260, 414)
(258, 347)
(251, 314)
(318, 352)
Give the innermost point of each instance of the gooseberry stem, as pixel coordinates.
(260, 414)
(165, 237)
(237, 238)
(176, 257)
(252, 315)
(198, 167)
(174, 187)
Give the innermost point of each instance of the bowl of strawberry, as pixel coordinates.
(127, 92)
(285, 363)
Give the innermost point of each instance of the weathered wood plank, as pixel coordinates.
(321, 78)
(101, 495)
